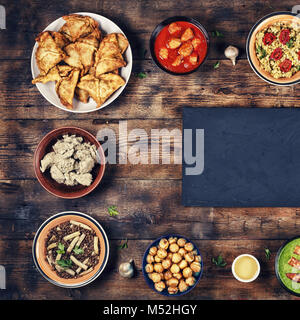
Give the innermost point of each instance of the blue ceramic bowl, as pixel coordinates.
(165, 291)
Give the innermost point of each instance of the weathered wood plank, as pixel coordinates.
(158, 96)
(19, 139)
(234, 21)
(148, 208)
(147, 197)
(25, 282)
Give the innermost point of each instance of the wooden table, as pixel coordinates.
(147, 196)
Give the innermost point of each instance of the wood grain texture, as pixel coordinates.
(158, 96)
(148, 209)
(217, 282)
(147, 196)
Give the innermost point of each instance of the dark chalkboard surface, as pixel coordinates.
(251, 158)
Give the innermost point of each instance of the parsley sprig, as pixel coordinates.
(141, 75)
(112, 210)
(217, 65)
(124, 245)
(290, 43)
(260, 50)
(219, 261)
(218, 34)
(61, 248)
(78, 250)
(267, 253)
(64, 263)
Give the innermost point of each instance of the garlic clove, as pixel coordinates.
(126, 269)
(231, 53)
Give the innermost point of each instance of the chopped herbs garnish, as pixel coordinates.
(290, 43)
(61, 248)
(124, 245)
(217, 65)
(298, 68)
(267, 253)
(260, 50)
(217, 33)
(219, 261)
(64, 263)
(142, 75)
(78, 250)
(112, 210)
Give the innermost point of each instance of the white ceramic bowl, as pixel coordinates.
(48, 89)
(233, 268)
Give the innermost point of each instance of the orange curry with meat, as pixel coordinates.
(180, 47)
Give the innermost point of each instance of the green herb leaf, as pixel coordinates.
(61, 248)
(217, 65)
(219, 261)
(142, 75)
(112, 210)
(267, 253)
(124, 245)
(64, 263)
(290, 43)
(78, 250)
(260, 50)
(217, 33)
(298, 68)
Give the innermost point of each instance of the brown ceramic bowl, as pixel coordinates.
(39, 250)
(251, 51)
(62, 190)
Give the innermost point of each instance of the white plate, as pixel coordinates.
(48, 89)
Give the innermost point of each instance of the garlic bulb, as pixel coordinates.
(231, 53)
(126, 269)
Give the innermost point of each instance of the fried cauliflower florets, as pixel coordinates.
(173, 264)
(153, 251)
(164, 244)
(181, 242)
(172, 290)
(160, 286)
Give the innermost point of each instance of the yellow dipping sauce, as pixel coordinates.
(245, 267)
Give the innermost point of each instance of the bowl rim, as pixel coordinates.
(119, 91)
(144, 262)
(277, 267)
(96, 181)
(163, 24)
(251, 32)
(96, 224)
(256, 274)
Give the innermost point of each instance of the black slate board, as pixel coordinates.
(251, 158)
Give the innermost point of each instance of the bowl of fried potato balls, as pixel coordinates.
(172, 265)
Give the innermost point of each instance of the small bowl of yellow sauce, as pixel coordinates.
(245, 268)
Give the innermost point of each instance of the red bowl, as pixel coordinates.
(58, 189)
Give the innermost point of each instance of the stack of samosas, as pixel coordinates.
(81, 61)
